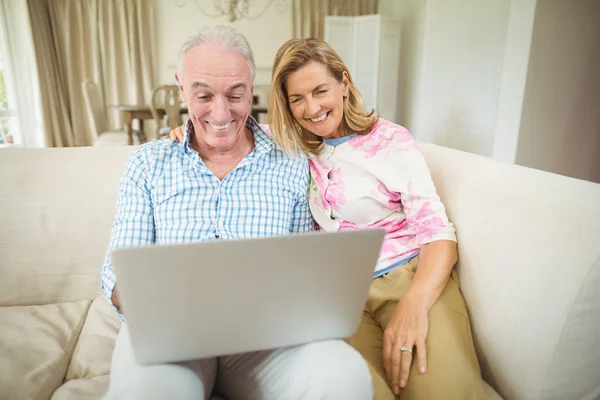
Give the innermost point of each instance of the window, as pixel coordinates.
(8, 113)
(20, 107)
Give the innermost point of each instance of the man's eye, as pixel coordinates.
(235, 97)
(322, 91)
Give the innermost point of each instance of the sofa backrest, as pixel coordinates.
(56, 211)
(529, 251)
(529, 265)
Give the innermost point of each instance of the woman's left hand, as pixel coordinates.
(176, 134)
(405, 334)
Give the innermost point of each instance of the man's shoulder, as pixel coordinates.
(157, 149)
(278, 154)
(155, 153)
(266, 129)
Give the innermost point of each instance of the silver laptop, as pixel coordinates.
(205, 299)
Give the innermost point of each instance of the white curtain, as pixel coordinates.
(111, 42)
(21, 75)
(308, 16)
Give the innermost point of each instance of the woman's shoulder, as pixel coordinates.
(266, 129)
(385, 135)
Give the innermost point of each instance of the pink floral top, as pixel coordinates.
(379, 180)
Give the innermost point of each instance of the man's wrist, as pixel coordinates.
(115, 298)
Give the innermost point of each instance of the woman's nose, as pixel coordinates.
(312, 108)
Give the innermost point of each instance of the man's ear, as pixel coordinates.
(180, 84)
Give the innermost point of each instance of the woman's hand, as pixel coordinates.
(405, 335)
(177, 134)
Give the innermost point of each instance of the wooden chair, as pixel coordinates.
(166, 104)
(97, 115)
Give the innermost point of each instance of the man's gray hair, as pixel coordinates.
(220, 35)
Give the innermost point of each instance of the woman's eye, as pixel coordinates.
(322, 92)
(296, 100)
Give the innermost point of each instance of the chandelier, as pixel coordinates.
(236, 10)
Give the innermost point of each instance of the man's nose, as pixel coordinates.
(220, 110)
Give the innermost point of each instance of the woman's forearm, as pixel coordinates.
(435, 265)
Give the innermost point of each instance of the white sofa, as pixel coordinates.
(529, 249)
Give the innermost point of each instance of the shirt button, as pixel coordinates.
(217, 236)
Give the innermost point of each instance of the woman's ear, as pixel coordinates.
(346, 82)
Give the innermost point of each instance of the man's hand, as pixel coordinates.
(407, 329)
(115, 298)
(177, 134)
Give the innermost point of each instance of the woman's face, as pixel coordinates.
(316, 99)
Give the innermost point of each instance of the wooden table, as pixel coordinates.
(141, 112)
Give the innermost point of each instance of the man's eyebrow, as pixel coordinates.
(240, 85)
(200, 85)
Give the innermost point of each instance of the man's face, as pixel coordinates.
(216, 84)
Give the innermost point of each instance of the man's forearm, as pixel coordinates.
(115, 298)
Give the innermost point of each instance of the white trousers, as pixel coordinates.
(327, 370)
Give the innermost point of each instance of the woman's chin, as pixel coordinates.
(322, 133)
(326, 134)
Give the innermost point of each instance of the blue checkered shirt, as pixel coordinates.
(168, 195)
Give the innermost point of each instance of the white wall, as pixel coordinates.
(175, 24)
(560, 129)
(451, 63)
(460, 77)
(514, 77)
(516, 80)
(411, 14)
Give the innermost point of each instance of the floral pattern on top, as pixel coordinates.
(379, 180)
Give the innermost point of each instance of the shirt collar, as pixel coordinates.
(338, 141)
(262, 142)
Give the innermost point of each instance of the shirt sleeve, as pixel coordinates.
(302, 220)
(407, 174)
(134, 221)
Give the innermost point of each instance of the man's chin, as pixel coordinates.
(223, 141)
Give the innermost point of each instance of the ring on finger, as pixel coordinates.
(404, 348)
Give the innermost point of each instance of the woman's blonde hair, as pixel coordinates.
(286, 131)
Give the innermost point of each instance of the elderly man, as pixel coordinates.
(225, 180)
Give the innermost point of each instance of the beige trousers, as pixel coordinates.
(452, 368)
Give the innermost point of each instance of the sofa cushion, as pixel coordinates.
(57, 209)
(36, 343)
(529, 263)
(93, 351)
(82, 389)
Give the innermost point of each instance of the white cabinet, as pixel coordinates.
(370, 47)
